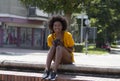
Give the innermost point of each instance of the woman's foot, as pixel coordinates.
(45, 74)
(52, 76)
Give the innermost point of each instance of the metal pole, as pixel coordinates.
(86, 41)
(82, 27)
(94, 35)
(87, 22)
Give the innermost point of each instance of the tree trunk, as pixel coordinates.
(68, 17)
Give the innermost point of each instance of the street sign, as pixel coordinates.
(87, 22)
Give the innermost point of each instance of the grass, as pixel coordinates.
(93, 50)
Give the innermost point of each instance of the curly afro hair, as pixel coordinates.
(60, 19)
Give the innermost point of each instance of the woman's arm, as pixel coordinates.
(70, 49)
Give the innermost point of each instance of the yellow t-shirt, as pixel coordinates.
(67, 40)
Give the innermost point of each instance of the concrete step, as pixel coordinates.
(31, 76)
(69, 67)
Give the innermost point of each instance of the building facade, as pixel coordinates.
(22, 27)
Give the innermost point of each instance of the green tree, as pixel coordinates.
(105, 14)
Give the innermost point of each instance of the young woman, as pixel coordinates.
(61, 45)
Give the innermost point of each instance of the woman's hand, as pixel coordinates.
(58, 42)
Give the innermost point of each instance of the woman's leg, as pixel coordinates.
(50, 57)
(61, 56)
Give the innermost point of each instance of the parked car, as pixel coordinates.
(106, 46)
(118, 41)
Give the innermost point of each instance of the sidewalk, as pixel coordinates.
(36, 59)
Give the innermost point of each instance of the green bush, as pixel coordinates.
(78, 47)
(114, 43)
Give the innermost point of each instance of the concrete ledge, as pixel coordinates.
(69, 67)
(23, 64)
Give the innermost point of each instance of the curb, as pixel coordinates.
(69, 67)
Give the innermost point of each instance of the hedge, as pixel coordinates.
(78, 47)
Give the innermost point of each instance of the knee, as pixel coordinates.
(59, 51)
(58, 48)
